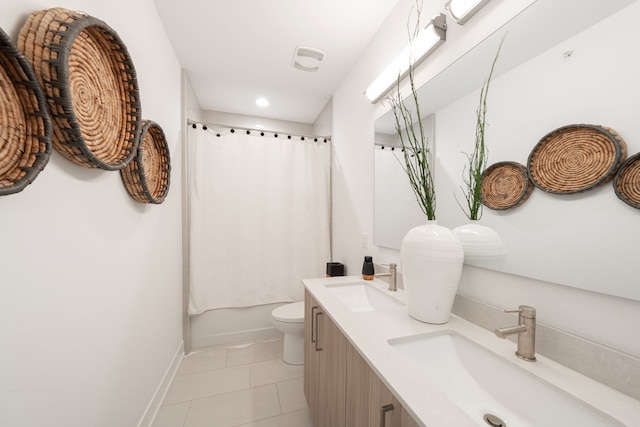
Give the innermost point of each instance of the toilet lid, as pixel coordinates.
(290, 313)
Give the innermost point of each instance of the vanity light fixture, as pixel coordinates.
(462, 10)
(427, 40)
(262, 102)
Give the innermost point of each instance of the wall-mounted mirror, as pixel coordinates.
(562, 63)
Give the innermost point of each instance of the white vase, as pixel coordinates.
(482, 245)
(432, 259)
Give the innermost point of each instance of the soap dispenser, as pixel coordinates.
(367, 268)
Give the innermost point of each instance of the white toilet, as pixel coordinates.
(289, 318)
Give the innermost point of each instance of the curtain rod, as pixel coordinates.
(193, 123)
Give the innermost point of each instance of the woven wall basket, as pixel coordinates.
(626, 183)
(90, 83)
(576, 158)
(146, 177)
(505, 185)
(25, 126)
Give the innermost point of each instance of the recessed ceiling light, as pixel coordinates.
(262, 102)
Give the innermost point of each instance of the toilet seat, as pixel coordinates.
(289, 313)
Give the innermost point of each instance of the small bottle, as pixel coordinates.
(367, 268)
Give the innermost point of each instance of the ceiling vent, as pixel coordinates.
(307, 58)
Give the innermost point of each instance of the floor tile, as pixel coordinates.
(273, 371)
(291, 394)
(209, 383)
(243, 354)
(207, 359)
(233, 409)
(293, 419)
(172, 415)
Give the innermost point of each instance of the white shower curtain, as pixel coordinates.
(259, 218)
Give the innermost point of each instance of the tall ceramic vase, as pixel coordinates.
(432, 259)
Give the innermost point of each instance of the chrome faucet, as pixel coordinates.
(526, 330)
(393, 276)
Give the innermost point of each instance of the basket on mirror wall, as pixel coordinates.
(626, 183)
(90, 83)
(505, 185)
(147, 176)
(25, 126)
(576, 158)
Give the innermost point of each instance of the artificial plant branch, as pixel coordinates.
(414, 142)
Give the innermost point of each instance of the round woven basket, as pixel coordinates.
(25, 126)
(626, 183)
(90, 83)
(576, 158)
(146, 177)
(505, 185)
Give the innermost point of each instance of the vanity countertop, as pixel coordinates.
(369, 331)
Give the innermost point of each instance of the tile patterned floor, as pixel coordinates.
(245, 385)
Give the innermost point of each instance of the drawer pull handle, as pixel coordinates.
(318, 348)
(383, 412)
(313, 322)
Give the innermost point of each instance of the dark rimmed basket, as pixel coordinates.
(90, 83)
(25, 126)
(147, 176)
(505, 185)
(576, 158)
(626, 183)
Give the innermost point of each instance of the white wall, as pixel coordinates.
(90, 285)
(191, 110)
(601, 318)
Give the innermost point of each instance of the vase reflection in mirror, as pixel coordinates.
(432, 259)
(483, 246)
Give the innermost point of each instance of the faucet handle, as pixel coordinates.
(391, 265)
(525, 311)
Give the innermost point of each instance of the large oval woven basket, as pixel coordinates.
(25, 126)
(90, 83)
(576, 158)
(147, 176)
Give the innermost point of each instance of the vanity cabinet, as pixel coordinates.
(370, 403)
(340, 386)
(324, 367)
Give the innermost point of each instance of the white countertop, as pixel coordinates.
(369, 331)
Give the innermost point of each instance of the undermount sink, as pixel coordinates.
(361, 297)
(485, 385)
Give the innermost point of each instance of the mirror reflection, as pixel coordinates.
(396, 210)
(584, 240)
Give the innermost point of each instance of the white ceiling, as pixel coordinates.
(235, 51)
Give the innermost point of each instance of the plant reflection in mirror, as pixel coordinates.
(472, 175)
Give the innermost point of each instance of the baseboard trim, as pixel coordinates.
(155, 403)
(233, 337)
